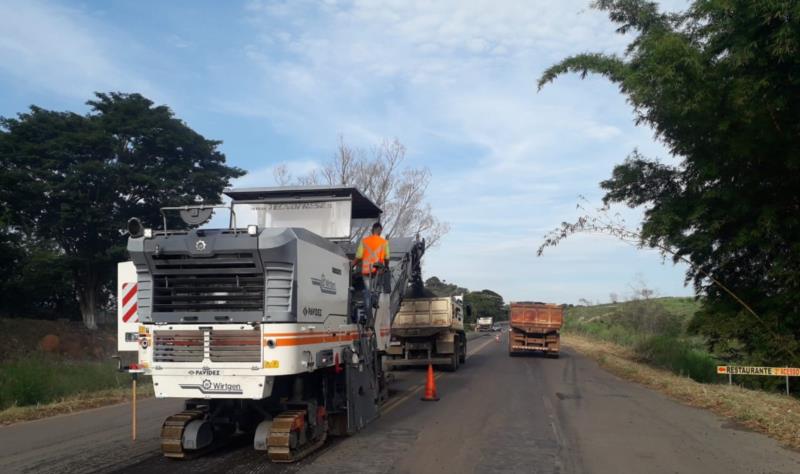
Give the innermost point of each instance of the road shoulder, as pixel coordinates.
(777, 416)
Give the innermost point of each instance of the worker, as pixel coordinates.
(373, 249)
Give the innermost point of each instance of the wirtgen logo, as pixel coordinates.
(209, 387)
(325, 285)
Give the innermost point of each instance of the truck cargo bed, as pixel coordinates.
(534, 327)
(428, 331)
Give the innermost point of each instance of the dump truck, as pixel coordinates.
(534, 328)
(429, 331)
(261, 326)
(484, 324)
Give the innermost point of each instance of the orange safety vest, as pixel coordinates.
(374, 252)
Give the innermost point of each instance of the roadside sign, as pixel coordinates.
(731, 370)
(745, 370)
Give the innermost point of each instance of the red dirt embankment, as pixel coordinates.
(69, 339)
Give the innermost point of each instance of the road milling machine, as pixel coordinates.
(261, 325)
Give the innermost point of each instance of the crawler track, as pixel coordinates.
(286, 443)
(172, 433)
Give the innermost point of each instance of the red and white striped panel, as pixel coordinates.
(129, 303)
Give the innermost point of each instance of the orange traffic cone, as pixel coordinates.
(497, 337)
(430, 387)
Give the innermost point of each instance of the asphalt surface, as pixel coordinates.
(496, 414)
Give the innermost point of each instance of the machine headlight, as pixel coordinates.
(252, 229)
(148, 233)
(134, 227)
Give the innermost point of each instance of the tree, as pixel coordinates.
(35, 281)
(442, 288)
(76, 180)
(486, 303)
(379, 174)
(720, 86)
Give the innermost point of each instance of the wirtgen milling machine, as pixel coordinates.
(261, 325)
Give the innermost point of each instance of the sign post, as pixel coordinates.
(787, 383)
(133, 406)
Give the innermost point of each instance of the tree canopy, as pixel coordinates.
(720, 86)
(74, 180)
(442, 288)
(485, 303)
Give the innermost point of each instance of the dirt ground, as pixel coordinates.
(69, 339)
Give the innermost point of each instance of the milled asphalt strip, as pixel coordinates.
(398, 401)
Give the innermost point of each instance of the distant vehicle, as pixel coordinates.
(534, 327)
(484, 324)
(429, 331)
(496, 328)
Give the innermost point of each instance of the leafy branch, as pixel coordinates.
(601, 221)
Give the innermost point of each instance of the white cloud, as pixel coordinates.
(60, 50)
(454, 80)
(460, 75)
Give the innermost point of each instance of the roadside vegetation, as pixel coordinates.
(43, 379)
(654, 329)
(51, 367)
(72, 403)
(660, 332)
(42, 385)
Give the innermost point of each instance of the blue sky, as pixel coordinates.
(455, 81)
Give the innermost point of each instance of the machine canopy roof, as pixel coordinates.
(362, 206)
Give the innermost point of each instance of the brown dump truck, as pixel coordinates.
(533, 327)
(429, 331)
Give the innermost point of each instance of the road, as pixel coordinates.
(496, 414)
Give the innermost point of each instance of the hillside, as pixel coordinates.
(682, 307)
(654, 329)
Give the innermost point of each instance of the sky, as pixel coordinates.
(454, 80)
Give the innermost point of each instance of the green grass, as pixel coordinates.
(40, 379)
(678, 356)
(654, 329)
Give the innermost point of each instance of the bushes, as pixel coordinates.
(607, 332)
(41, 379)
(678, 355)
(654, 328)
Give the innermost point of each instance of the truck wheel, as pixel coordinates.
(462, 357)
(453, 365)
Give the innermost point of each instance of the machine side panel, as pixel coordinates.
(323, 283)
(278, 251)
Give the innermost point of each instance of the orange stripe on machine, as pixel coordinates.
(302, 339)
